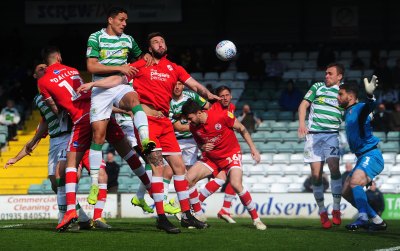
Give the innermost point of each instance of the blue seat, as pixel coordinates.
(35, 189)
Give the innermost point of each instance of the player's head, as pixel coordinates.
(157, 45)
(192, 112)
(38, 72)
(224, 92)
(348, 94)
(51, 55)
(116, 20)
(334, 74)
(178, 89)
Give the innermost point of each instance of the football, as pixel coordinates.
(225, 50)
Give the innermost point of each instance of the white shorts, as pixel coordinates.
(57, 145)
(129, 132)
(103, 100)
(189, 150)
(321, 146)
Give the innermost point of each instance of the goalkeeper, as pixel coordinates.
(364, 145)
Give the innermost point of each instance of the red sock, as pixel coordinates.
(157, 190)
(247, 201)
(230, 194)
(211, 187)
(181, 188)
(101, 201)
(70, 187)
(194, 200)
(136, 166)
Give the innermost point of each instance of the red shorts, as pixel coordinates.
(161, 131)
(86, 164)
(218, 165)
(81, 135)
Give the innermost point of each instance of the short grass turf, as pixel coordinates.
(141, 234)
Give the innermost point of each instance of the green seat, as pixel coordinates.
(380, 135)
(391, 146)
(264, 126)
(393, 136)
(279, 126)
(125, 170)
(267, 148)
(84, 188)
(35, 189)
(273, 137)
(285, 116)
(290, 136)
(258, 136)
(269, 115)
(285, 147)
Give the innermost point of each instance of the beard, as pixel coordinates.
(344, 104)
(159, 55)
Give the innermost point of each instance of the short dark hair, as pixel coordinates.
(114, 11)
(154, 34)
(350, 88)
(222, 88)
(47, 51)
(339, 68)
(190, 107)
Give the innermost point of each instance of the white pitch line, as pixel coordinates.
(11, 226)
(389, 249)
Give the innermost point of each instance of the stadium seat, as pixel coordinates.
(295, 188)
(274, 169)
(272, 137)
(354, 75)
(398, 159)
(256, 169)
(85, 180)
(294, 169)
(227, 75)
(197, 75)
(306, 170)
(290, 74)
(285, 180)
(281, 158)
(393, 180)
(388, 188)
(247, 159)
(285, 147)
(266, 158)
(284, 55)
(299, 55)
(84, 188)
(279, 126)
(267, 148)
(319, 76)
(285, 116)
(348, 157)
(242, 76)
(389, 158)
(123, 188)
(298, 147)
(390, 146)
(249, 181)
(381, 136)
(297, 158)
(273, 106)
(293, 125)
(211, 76)
(270, 179)
(290, 136)
(35, 189)
(269, 115)
(393, 136)
(259, 136)
(278, 188)
(244, 147)
(264, 126)
(260, 188)
(393, 169)
(346, 54)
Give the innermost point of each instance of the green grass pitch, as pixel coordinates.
(141, 234)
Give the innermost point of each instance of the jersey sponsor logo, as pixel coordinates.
(218, 126)
(308, 93)
(230, 115)
(58, 71)
(170, 67)
(75, 144)
(202, 99)
(155, 75)
(88, 51)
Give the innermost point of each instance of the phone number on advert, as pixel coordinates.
(24, 216)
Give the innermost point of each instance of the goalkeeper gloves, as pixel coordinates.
(370, 86)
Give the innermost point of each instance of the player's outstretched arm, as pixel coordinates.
(108, 82)
(237, 126)
(200, 89)
(30, 145)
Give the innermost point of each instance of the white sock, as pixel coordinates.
(95, 159)
(142, 124)
(318, 192)
(377, 219)
(166, 189)
(336, 187)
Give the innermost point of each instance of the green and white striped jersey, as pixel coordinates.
(57, 124)
(325, 113)
(175, 110)
(111, 50)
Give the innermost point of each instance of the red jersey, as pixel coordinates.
(218, 107)
(218, 130)
(60, 83)
(155, 83)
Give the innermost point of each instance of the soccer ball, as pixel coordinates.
(225, 50)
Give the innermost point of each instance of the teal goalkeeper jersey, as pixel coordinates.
(57, 124)
(111, 50)
(175, 110)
